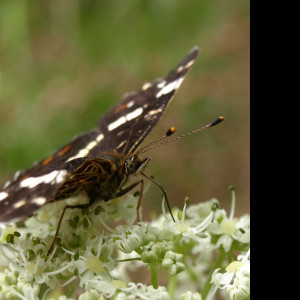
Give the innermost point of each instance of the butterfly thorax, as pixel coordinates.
(101, 177)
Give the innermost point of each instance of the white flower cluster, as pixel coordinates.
(96, 259)
(236, 279)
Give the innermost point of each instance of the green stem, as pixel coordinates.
(154, 280)
(172, 286)
(189, 270)
(129, 259)
(220, 258)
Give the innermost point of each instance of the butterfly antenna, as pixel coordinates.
(170, 131)
(155, 143)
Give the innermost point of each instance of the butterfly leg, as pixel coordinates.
(129, 188)
(85, 205)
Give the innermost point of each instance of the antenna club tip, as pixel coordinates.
(170, 131)
(217, 121)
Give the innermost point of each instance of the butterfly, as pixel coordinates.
(99, 162)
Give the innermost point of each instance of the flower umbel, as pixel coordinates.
(99, 259)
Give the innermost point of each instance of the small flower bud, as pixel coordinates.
(190, 296)
(172, 263)
(152, 255)
(131, 242)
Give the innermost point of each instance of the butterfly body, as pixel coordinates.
(101, 178)
(100, 161)
(98, 177)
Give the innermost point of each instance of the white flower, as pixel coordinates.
(32, 271)
(198, 212)
(88, 265)
(236, 279)
(183, 226)
(14, 287)
(90, 269)
(128, 239)
(29, 291)
(240, 289)
(106, 288)
(229, 228)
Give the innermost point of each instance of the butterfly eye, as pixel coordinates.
(129, 165)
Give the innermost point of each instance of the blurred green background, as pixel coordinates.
(65, 63)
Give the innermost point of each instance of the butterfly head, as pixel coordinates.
(135, 165)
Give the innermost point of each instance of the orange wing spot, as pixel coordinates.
(119, 108)
(64, 150)
(47, 160)
(60, 153)
(24, 177)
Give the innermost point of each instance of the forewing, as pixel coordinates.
(126, 126)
